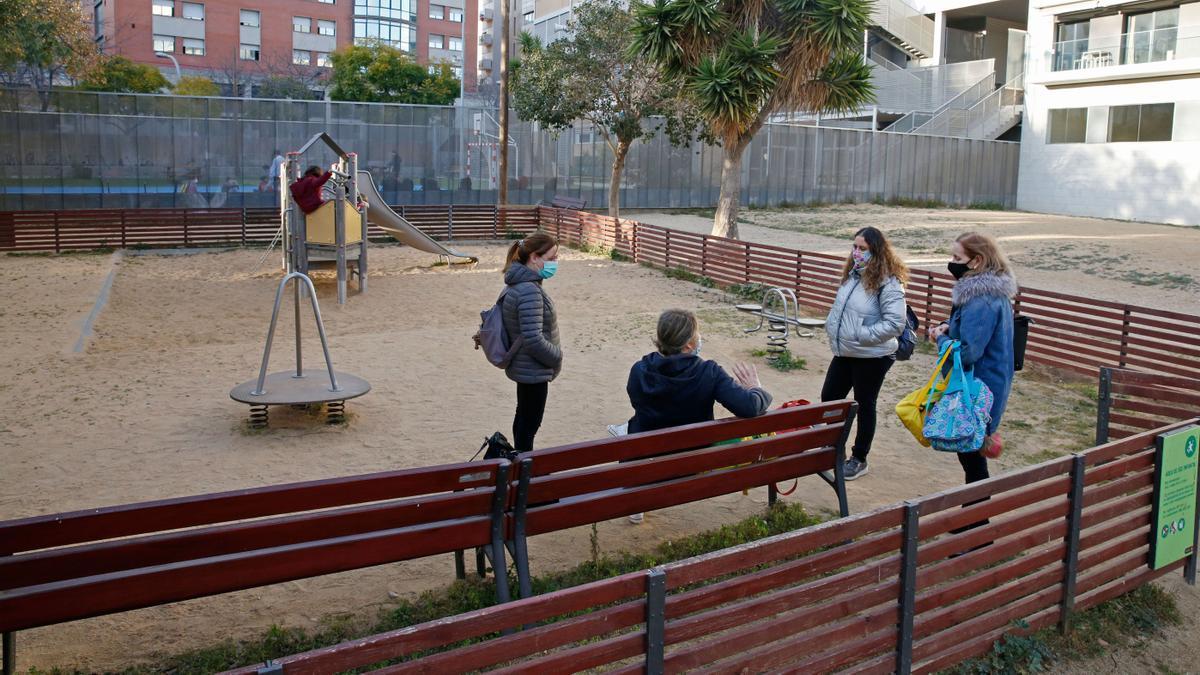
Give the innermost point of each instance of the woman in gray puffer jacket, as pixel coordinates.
(867, 317)
(529, 317)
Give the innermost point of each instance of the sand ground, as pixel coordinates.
(143, 411)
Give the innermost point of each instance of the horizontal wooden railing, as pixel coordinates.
(912, 587)
(1070, 332)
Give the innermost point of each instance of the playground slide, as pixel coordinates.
(395, 224)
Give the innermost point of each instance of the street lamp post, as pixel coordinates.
(164, 55)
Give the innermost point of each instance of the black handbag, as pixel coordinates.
(497, 446)
(1020, 338)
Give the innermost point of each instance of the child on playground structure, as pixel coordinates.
(867, 317)
(529, 314)
(674, 385)
(307, 190)
(981, 320)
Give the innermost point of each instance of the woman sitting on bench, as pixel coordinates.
(674, 386)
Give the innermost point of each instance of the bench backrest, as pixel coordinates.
(74, 565)
(588, 482)
(1131, 401)
(565, 202)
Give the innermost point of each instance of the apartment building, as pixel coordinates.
(1113, 110)
(238, 42)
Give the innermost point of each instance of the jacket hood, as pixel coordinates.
(664, 374)
(519, 273)
(982, 285)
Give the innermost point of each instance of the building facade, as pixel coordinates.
(1113, 111)
(237, 43)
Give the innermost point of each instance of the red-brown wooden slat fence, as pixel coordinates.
(912, 587)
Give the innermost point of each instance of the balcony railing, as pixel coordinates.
(1147, 46)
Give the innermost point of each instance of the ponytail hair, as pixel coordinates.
(538, 242)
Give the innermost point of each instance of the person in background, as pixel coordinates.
(529, 316)
(867, 317)
(307, 190)
(264, 185)
(273, 173)
(981, 320)
(674, 385)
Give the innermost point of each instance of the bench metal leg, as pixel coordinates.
(520, 544)
(772, 494)
(10, 653)
(460, 565)
(480, 562)
(839, 486)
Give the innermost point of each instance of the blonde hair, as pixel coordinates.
(538, 242)
(884, 262)
(984, 247)
(676, 327)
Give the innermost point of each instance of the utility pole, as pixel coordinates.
(503, 195)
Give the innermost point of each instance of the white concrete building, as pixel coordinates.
(1112, 122)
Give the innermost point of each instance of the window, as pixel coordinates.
(1071, 43)
(1067, 125)
(327, 27)
(437, 42)
(323, 60)
(437, 12)
(163, 8)
(301, 24)
(456, 15)
(250, 18)
(1151, 36)
(248, 52)
(327, 2)
(528, 18)
(399, 10)
(301, 57)
(164, 43)
(455, 44)
(457, 71)
(399, 35)
(193, 11)
(193, 47)
(1140, 123)
(98, 19)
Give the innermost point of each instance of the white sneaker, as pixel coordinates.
(618, 429)
(637, 518)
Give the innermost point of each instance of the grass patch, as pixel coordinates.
(747, 291)
(783, 361)
(1121, 622)
(465, 596)
(683, 274)
(910, 203)
(987, 206)
(103, 250)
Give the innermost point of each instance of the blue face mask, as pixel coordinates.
(548, 269)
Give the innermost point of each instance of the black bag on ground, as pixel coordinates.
(1020, 338)
(497, 446)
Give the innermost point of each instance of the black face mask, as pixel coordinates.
(957, 269)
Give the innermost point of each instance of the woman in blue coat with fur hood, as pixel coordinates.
(981, 319)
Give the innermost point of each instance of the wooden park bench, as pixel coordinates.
(70, 566)
(572, 485)
(1131, 401)
(566, 202)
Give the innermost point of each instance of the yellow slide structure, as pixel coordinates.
(394, 224)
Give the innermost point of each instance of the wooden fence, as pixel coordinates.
(1132, 401)
(912, 587)
(60, 231)
(1072, 332)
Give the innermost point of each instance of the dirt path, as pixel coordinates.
(1121, 261)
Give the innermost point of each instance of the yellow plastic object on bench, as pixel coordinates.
(319, 224)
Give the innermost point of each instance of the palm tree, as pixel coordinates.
(743, 60)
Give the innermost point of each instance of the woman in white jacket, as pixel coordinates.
(867, 317)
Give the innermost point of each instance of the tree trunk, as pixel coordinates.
(725, 221)
(614, 183)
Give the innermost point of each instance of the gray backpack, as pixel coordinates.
(492, 336)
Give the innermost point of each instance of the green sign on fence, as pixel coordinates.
(1174, 519)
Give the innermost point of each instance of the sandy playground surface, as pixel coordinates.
(142, 412)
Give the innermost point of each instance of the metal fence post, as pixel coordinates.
(243, 226)
(1189, 568)
(1124, 337)
(1103, 404)
(450, 224)
(57, 235)
(656, 601)
(747, 262)
(1071, 560)
(122, 228)
(908, 586)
